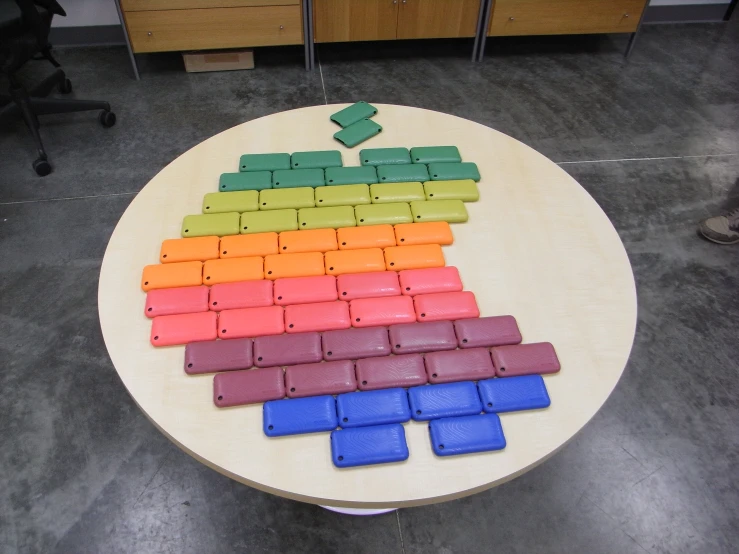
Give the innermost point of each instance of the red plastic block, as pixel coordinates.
(182, 300)
(167, 330)
(244, 294)
(446, 306)
(368, 285)
(372, 312)
(319, 316)
(251, 322)
(304, 290)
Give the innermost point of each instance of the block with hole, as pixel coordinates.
(281, 199)
(203, 225)
(268, 221)
(359, 175)
(217, 355)
(421, 256)
(358, 132)
(450, 211)
(312, 240)
(389, 310)
(256, 244)
(379, 214)
(264, 162)
(326, 218)
(368, 285)
(305, 290)
(241, 294)
(453, 171)
(302, 264)
(354, 344)
(384, 156)
(253, 386)
(252, 180)
(333, 377)
(431, 232)
(173, 330)
(179, 300)
(361, 446)
(463, 189)
(447, 400)
(435, 154)
(179, 274)
(231, 270)
(300, 415)
(405, 370)
(319, 159)
(371, 236)
(237, 201)
(383, 193)
(342, 195)
(251, 322)
(189, 250)
(354, 113)
(402, 173)
(365, 260)
(293, 178)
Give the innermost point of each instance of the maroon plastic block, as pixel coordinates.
(406, 370)
(296, 348)
(525, 359)
(250, 386)
(218, 355)
(352, 344)
(472, 364)
(487, 331)
(411, 338)
(321, 378)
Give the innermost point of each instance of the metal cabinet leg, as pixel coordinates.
(483, 33)
(308, 35)
(632, 39)
(480, 17)
(128, 41)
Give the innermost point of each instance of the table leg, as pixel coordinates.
(131, 55)
(358, 511)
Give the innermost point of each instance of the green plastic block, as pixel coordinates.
(435, 154)
(384, 156)
(264, 162)
(316, 160)
(239, 201)
(454, 172)
(402, 173)
(250, 180)
(280, 199)
(361, 175)
(206, 225)
(293, 178)
(326, 218)
(379, 214)
(271, 221)
(357, 133)
(463, 189)
(383, 193)
(343, 195)
(352, 114)
(451, 211)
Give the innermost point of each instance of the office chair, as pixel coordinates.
(24, 36)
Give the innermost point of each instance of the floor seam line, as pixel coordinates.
(320, 70)
(692, 156)
(400, 531)
(67, 198)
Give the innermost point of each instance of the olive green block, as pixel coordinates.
(342, 195)
(453, 172)
(359, 175)
(384, 156)
(238, 201)
(293, 178)
(270, 221)
(326, 218)
(383, 193)
(462, 189)
(379, 214)
(451, 211)
(264, 162)
(280, 199)
(249, 180)
(205, 225)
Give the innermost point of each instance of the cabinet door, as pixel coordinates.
(437, 18)
(353, 20)
(562, 17)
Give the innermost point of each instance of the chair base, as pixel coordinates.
(28, 105)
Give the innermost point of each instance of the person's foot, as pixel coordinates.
(723, 229)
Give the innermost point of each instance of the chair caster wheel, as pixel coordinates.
(65, 87)
(42, 167)
(107, 119)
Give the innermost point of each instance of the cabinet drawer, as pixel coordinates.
(561, 17)
(162, 31)
(148, 5)
(355, 20)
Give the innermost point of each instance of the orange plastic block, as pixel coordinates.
(167, 330)
(354, 261)
(196, 249)
(421, 256)
(320, 316)
(305, 290)
(167, 276)
(312, 240)
(233, 269)
(243, 246)
(445, 306)
(304, 264)
(251, 322)
(372, 236)
(431, 232)
(371, 312)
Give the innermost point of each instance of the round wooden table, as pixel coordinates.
(536, 246)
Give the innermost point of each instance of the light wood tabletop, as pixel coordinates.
(537, 246)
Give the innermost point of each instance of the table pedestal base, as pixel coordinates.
(358, 511)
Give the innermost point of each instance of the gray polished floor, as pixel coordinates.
(655, 141)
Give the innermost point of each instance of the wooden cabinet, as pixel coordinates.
(560, 17)
(437, 18)
(355, 20)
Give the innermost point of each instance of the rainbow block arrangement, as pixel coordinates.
(322, 291)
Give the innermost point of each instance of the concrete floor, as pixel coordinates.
(655, 141)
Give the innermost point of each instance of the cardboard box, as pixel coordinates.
(218, 60)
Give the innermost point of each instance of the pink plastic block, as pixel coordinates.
(368, 285)
(251, 322)
(370, 312)
(304, 290)
(320, 316)
(182, 300)
(167, 330)
(242, 294)
(446, 305)
(429, 281)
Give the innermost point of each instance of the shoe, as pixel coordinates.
(722, 229)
